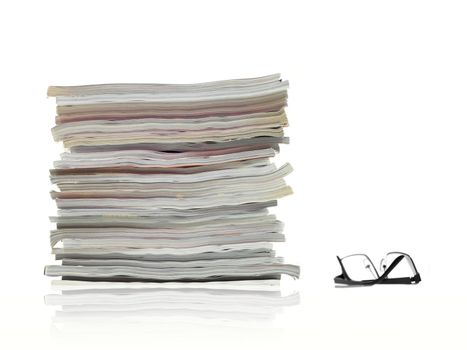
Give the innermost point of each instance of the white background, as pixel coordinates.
(377, 112)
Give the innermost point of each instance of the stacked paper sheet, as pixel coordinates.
(169, 182)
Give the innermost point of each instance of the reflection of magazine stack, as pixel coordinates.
(227, 301)
(169, 182)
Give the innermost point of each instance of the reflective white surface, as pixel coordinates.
(229, 304)
(178, 318)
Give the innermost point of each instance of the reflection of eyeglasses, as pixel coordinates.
(359, 270)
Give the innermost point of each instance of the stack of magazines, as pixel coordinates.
(165, 182)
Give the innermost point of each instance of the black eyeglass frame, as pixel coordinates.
(344, 278)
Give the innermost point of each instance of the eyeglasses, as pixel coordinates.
(359, 270)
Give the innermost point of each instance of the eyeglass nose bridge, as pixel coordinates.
(369, 266)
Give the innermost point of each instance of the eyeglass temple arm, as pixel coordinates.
(411, 263)
(400, 280)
